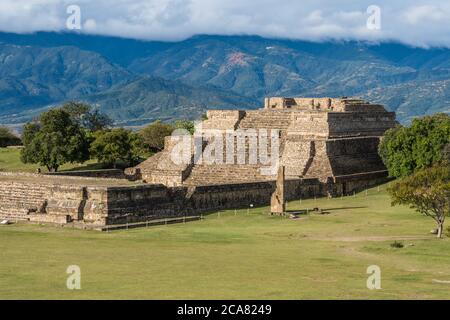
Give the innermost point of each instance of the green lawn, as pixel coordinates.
(10, 161)
(242, 256)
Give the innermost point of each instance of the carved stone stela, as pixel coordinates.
(278, 200)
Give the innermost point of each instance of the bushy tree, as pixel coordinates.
(7, 138)
(407, 149)
(54, 140)
(76, 110)
(446, 154)
(87, 117)
(427, 191)
(116, 145)
(187, 125)
(154, 134)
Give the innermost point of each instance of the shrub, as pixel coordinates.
(397, 245)
(7, 138)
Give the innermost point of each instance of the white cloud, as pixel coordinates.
(418, 22)
(418, 14)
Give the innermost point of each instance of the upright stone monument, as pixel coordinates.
(278, 201)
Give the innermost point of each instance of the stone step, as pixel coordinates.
(219, 174)
(265, 120)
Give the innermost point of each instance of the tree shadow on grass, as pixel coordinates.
(319, 210)
(345, 208)
(88, 167)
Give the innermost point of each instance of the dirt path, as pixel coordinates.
(371, 238)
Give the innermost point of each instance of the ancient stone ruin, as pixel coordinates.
(325, 139)
(325, 147)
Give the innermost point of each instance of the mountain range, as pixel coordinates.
(136, 82)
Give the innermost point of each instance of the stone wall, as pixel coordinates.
(341, 124)
(45, 203)
(223, 119)
(95, 206)
(322, 104)
(104, 173)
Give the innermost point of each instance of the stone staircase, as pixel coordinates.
(266, 119)
(226, 174)
(241, 168)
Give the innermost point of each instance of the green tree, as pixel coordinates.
(77, 110)
(112, 146)
(427, 191)
(185, 125)
(446, 154)
(154, 134)
(54, 140)
(407, 149)
(87, 117)
(7, 138)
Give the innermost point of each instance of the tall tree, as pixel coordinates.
(112, 146)
(154, 134)
(407, 149)
(54, 140)
(427, 191)
(87, 117)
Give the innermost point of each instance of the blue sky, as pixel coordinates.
(418, 23)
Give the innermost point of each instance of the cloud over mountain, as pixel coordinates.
(418, 22)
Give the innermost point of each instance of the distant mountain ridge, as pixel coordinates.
(137, 81)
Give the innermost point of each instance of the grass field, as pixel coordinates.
(10, 161)
(242, 255)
